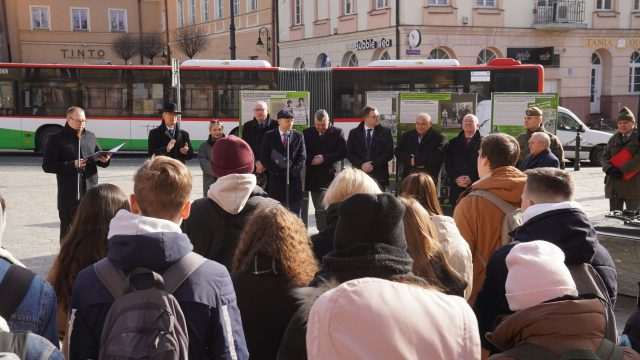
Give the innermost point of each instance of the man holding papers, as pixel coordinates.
(621, 163)
(76, 170)
(283, 154)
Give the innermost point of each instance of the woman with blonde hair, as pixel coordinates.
(273, 256)
(216, 132)
(421, 187)
(429, 261)
(350, 181)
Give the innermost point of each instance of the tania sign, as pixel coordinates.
(372, 44)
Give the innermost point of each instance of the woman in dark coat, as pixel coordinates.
(273, 257)
(216, 131)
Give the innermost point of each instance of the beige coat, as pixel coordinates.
(479, 221)
(556, 326)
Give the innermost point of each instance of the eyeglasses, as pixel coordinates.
(79, 121)
(258, 109)
(215, 122)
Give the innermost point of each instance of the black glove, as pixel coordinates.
(615, 172)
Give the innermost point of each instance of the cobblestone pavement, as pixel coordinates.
(33, 224)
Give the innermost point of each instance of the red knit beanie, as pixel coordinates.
(231, 155)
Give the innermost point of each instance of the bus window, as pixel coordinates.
(198, 102)
(147, 98)
(7, 98)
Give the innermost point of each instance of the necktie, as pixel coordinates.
(284, 139)
(467, 140)
(171, 132)
(369, 137)
(419, 139)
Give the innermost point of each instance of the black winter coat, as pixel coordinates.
(158, 140)
(214, 232)
(571, 231)
(59, 158)
(543, 159)
(462, 159)
(266, 304)
(428, 154)
(277, 172)
(253, 134)
(380, 154)
(333, 147)
(322, 242)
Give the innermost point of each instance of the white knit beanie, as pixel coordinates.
(537, 273)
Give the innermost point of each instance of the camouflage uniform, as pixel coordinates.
(556, 145)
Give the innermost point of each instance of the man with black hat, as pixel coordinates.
(168, 139)
(533, 124)
(276, 159)
(622, 183)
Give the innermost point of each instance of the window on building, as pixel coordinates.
(439, 2)
(323, 61)
(117, 20)
(192, 12)
(385, 56)
(438, 54)
(381, 4)
(180, 13)
(636, 5)
(348, 7)
(353, 60)
(236, 7)
(485, 56)
(219, 9)
(79, 19)
(486, 3)
(297, 12)
(39, 17)
(252, 5)
(604, 5)
(634, 73)
(205, 10)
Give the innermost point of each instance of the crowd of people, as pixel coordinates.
(516, 273)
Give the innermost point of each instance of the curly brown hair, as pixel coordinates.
(280, 234)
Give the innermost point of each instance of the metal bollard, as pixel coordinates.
(576, 161)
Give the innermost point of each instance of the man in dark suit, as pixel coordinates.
(422, 149)
(370, 147)
(326, 147)
(540, 154)
(60, 157)
(276, 160)
(253, 133)
(168, 139)
(462, 158)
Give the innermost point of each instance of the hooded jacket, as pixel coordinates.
(206, 297)
(372, 318)
(562, 224)
(455, 248)
(479, 221)
(216, 221)
(556, 326)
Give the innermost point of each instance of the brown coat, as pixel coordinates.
(621, 188)
(479, 221)
(556, 326)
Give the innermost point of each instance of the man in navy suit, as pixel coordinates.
(422, 149)
(540, 154)
(274, 157)
(326, 147)
(370, 147)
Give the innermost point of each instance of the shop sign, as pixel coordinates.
(372, 44)
(83, 53)
(542, 56)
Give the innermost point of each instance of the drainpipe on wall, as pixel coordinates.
(275, 51)
(140, 31)
(397, 29)
(6, 30)
(166, 30)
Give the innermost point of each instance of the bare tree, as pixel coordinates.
(191, 41)
(125, 46)
(151, 45)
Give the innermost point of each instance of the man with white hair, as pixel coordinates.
(462, 158)
(422, 149)
(253, 133)
(539, 153)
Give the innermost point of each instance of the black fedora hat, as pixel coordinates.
(170, 107)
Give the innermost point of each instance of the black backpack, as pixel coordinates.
(14, 287)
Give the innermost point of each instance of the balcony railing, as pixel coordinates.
(559, 14)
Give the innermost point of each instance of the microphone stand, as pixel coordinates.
(79, 169)
(288, 169)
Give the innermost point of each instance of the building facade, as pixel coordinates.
(590, 49)
(85, 31)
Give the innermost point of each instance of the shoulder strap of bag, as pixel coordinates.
(609, 350)
(177, 273)
(113, 279)
(581, 354)
(504, 206)
(529, 351)
(14, 287)
(15, 343)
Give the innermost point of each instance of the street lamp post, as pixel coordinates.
(260, 44)
(232, 32)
